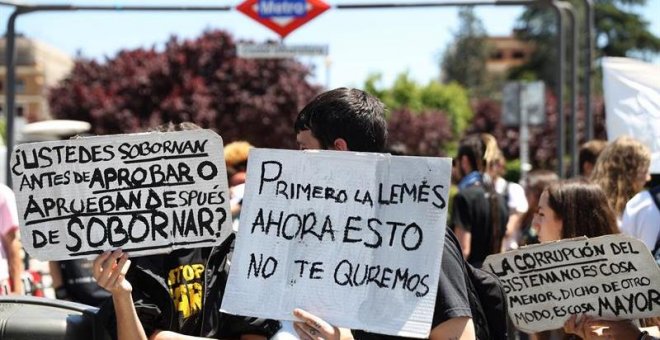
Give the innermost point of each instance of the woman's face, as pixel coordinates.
(547, 224)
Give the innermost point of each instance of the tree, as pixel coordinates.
(619, 32)
(418, 104)
(199, 80)
(464, 60)
(426, 133)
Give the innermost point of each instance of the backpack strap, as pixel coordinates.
(655, 194)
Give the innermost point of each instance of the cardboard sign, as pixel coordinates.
(611, 277)
(354, 238)
(145, 193)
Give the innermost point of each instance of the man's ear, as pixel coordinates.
(340, 145)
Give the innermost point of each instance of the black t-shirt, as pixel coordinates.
(185, 280)
(451, 300)
(471, 212)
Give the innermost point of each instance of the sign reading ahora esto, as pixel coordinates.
(283, 16)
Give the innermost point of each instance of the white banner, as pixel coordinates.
(611, 277)
(145, 193)
(354, 238)
(632, 102)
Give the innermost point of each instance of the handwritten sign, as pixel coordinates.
(353, 238)
(611, 277)
(145, 193)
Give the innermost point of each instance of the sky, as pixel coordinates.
(360, 42)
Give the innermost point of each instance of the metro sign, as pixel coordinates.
(283, 16)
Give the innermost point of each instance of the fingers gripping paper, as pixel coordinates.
(611, 277)
(354, 238)
(145, 193)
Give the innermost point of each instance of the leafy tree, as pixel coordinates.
(422, 134)
(543, 139)
(464, 60)
(199, 80)
(450, 100)
(619, 32)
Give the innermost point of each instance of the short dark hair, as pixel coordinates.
(583, 209)
(589, 152)
(350, 114)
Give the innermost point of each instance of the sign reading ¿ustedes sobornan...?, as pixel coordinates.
(145, 193)
(354, 238)
(611, 277)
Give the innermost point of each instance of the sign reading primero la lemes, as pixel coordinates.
(610, 277)
(145, 193)
(354, 238)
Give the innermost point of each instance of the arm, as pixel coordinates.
(464, 239)
(313, 327)
(461, 328)
(12, 245)
(109, 271)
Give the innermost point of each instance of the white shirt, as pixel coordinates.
(517, 201)
(641, 219)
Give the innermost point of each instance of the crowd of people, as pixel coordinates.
(489, 215)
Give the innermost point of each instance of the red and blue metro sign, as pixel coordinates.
(283, 16)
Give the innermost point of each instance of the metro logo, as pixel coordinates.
(282, 8)
(283, 16)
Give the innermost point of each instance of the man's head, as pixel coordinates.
(470, 155)
(342, 119)
(588, 155)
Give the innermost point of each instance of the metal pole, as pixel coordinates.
(10, 95)
(588, 69)
(561, 52)
(574, 89)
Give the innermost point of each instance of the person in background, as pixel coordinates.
(569, 209)
(11, 264)
(512, 193)
(588, 155)
(352, 120)
(236, 157)
(479, 214)
(622, 170)
(535, 183)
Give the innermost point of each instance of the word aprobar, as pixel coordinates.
(611, 276)
(145, 193)
(359, 234)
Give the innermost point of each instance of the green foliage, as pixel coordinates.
(512, 170)
(3, 130)
(620, 31)
(405, 93)
(464, 60)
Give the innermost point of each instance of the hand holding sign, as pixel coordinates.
(354, 238)
(611, 277)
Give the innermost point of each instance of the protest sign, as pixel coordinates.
(354, 238)
(145, 193)
(610, 277)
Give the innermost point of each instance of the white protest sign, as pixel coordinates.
(611, 277)
(632, 103)
(354, 238)
(145, 193)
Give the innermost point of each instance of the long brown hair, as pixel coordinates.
(582, 208)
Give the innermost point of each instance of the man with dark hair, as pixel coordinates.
(343, 119)
(588, 155)
(353, 120)
(479, 214)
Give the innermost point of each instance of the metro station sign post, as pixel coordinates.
(283, 16)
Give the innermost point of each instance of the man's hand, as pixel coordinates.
(110, 270)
